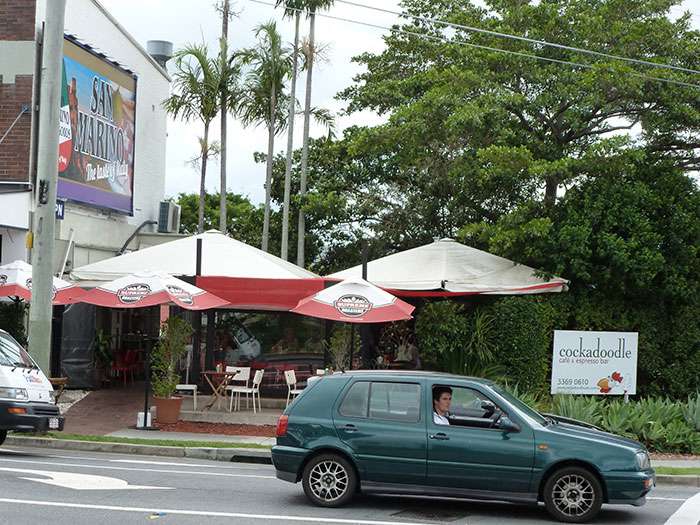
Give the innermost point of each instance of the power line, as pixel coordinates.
(522, 38)
(477, 46)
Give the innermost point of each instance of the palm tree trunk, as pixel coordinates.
(305, 146)
(202, 180)
(224, 114)
(290, 144)
(268, 177)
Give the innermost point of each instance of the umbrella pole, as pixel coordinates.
(352, 344)
(147, 366)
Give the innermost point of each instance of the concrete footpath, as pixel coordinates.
(243, 455)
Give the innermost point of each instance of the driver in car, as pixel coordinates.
(442, 398)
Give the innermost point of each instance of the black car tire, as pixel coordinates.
(329, 480)
(3, 436)
(573, 495)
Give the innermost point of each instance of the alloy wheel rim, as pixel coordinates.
(328, 480)
(573, 495)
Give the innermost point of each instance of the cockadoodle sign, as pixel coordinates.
(602, 363)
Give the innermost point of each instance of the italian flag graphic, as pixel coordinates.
(65, 136)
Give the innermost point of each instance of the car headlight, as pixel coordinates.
(20, 394)
(643, 462)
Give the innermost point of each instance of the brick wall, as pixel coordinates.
(17, 19)
(16, 24)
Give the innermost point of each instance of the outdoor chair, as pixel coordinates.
(122, 367)
(292, 390)
(188, 388)
(242, 376)
(254, 391)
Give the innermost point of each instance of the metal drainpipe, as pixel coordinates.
(136, 232)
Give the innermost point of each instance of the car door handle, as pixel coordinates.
(349, 428)
(440, 436)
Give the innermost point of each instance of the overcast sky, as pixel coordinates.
(191, 21)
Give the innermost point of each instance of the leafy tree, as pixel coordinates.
(511, 122)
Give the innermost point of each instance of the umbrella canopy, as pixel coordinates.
(16, 280)
(447, 268)
(355, 301)
(149, 289)
(243, 275)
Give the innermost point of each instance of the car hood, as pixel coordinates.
(575, 431)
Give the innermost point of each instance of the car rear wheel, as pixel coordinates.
(3, 435)
(573, 495)
(329, 480)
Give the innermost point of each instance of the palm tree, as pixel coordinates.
(292, 9)
(263, 99)
(196, 90)
(312, 6)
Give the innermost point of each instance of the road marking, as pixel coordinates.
(267, 517)
(164, 471)
(668, 499)
(71, 480)
(688, 513)
(164, 463)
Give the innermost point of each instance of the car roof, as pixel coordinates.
(413, 374)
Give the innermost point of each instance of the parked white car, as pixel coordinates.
(26, 396)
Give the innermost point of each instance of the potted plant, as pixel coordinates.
(103, 356)
(164, 374)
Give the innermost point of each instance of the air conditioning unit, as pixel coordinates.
(168, 217)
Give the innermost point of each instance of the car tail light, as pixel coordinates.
(282, 425)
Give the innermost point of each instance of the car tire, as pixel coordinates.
(3, 436)
(329, 480)
(573, 495)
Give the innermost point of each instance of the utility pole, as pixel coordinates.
(40, 311)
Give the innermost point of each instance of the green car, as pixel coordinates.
(433, 434)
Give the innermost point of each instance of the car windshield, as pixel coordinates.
(12, 354)
(531, 412)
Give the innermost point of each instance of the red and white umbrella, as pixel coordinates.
(355, 301)
(150, 289)
(16, 280)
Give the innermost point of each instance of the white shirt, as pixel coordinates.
(440, 420)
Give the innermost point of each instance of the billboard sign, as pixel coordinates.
(594, 363)
(96, 131)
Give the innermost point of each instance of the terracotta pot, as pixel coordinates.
(168, 409)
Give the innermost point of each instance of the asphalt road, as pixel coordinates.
(75, 488)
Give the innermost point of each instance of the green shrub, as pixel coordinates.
(582, 408)
(535, 400)
(171, 347)
(456, 340)
(691, 411)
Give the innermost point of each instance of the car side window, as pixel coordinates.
(470, 408)
(355, 402)
(394, 401)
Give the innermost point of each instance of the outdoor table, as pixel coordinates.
(58, 384)
(218, 381)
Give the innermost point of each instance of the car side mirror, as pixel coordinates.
(488, 406)
(507, 425)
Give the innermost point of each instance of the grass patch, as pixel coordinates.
(678, 471)
(141, 441)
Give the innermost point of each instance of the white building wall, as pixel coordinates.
(100, 233)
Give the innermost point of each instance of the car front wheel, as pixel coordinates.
(3, 435)
(573, 495)
(329, 480)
